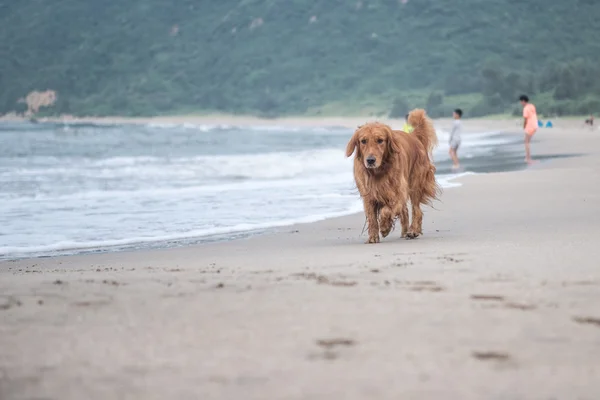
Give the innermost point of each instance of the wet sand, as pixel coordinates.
(499, 299)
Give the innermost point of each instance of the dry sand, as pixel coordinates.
(499, 300)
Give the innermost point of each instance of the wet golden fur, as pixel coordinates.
(401, 169)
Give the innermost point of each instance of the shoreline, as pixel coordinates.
(475, 124)
(174, 243)
(170, 239)
(450, 179)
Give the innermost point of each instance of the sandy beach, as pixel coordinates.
(498, 300)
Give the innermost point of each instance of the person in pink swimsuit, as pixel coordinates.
(530, 125)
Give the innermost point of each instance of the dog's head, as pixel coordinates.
(373, 143)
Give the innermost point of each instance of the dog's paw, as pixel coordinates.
(373, 239)
(386, 229)
(412, 235)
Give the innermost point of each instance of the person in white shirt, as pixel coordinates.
(454, 141)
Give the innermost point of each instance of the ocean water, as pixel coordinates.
(69, 188)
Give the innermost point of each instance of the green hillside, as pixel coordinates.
(281, 57)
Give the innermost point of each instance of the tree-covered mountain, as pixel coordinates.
(277, 57)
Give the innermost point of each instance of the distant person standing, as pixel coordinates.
(590, 122)
(406, 127)
(530, 125)
(455, 139)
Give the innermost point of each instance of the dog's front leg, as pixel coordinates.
(386, 220)
(403, 215)
(401, 210)
(371, 208)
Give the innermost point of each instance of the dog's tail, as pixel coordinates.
(423, 129)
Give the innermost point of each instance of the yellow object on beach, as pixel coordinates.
(407, 128)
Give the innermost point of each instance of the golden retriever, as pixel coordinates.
(391, 168)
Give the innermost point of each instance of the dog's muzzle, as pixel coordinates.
(371, 162)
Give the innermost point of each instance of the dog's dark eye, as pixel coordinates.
(379, 141)
(364, 141)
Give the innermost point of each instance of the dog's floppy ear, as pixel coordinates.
(352, 144)
(393, 142)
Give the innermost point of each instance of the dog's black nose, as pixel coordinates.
(370, 160)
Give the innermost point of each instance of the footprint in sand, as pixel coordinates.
(580, 283)
(587, 320)
(91, 303)
(403, 264)
(491, 356)
(332, 343)
(328, 346)
(494, 299)
(520, 306)
(10, 303)
(450, 258)
(422, 286)
(324, 280)
(487, 297)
